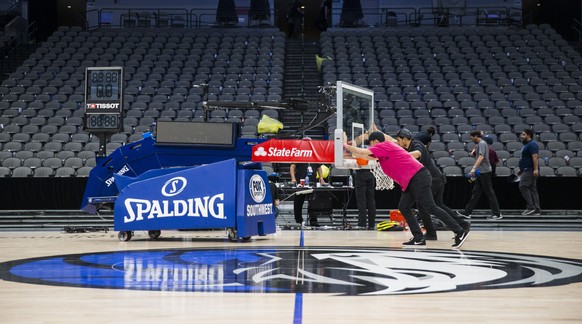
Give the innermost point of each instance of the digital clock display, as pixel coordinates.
(103, 121)
(104, 99)
(104, 84)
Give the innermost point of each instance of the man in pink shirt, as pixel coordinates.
(413, 178)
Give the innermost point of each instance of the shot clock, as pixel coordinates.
(103, 99)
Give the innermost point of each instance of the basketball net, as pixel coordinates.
(383, 182)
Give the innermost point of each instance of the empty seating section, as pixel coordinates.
(498, 80)
(41, 102)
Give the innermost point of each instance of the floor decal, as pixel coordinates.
(342, 271)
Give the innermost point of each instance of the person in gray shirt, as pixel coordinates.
(482, 183)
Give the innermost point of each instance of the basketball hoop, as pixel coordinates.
(383, 182)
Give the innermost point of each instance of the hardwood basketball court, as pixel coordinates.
(58, 298)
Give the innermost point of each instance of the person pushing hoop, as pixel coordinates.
(413, 178)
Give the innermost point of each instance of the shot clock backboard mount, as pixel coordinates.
(103, 102)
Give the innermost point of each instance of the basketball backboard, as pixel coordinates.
(355, 115)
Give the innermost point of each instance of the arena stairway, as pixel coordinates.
(302, 81)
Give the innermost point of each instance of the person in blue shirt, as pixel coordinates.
(529, 172)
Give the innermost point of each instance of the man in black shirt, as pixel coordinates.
(275, 197)
(418, 150)
(365, 188)
(425, 137)
(302, 171)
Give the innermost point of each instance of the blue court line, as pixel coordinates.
(298, 311)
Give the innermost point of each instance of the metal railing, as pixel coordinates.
(426, 16)
(244, 17)
(176, 18)
(139, 18)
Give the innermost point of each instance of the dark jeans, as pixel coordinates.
(365, 186)
(483, 185)
(529, 190)
(419, 191)
(438, 191)
(298, 201)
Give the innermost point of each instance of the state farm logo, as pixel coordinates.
(283, 152)
(174, 186)
(261, 152)
(257, 188)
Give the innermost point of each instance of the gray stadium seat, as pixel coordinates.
(84, 171)
(566, 171)
(32, 162)
(52, 162)
(452, 170)
(556, 162)
(445, 161)
(546, 171)
(5, 172)
(65, 172)
(503, 171)
(11, 162)
(43, 172)
(21, 172)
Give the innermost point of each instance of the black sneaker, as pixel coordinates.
(528, 212)
(430, 236)
(536, 212)
(414, 242)
(460, 239)
(495, 217)
(463, 214)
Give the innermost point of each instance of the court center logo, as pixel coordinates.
(257, 188)
(344, 271)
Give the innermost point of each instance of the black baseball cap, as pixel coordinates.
(424, 138)
(404, 133)
(378, 136)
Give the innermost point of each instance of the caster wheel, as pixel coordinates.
(154, 234)
(246, 238)
(232, 235)
(124, 236)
